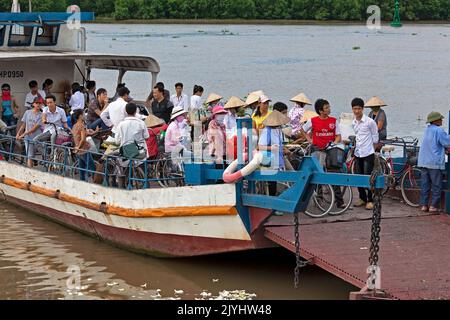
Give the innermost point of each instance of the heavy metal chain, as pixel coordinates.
(376, 220)
(298, 262)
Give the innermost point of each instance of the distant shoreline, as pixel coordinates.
(102, 20)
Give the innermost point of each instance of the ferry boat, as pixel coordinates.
(204, 217)
(182, 221)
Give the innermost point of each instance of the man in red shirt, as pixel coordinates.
(321, 131)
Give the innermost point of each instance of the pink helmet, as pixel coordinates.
(218, 109)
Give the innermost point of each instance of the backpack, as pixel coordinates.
(160, 140)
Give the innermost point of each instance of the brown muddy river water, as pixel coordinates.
(408, 67)
(41, 260)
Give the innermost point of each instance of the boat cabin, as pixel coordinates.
(37, 46)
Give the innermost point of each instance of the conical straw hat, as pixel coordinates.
(258, 93)
(213, 97)
(234, 102)
(301, 98)
(153, 121)
(253, 97)
(375, 102)
(307, 115)
(275, 119)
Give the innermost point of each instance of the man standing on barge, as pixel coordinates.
(432, 162)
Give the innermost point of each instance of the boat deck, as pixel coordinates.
(414, 252)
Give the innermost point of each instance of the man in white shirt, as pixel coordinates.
(366, 131)
(115, 112)
(54, 118)
(180, 99)
(132, 130)
(77, 100)
(34, 93)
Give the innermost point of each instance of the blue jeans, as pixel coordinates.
(431, 181)
(98, 123)
(9, 120)
(85, 162)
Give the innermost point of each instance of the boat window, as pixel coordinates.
(20, 35)
(47, 35)
(2, 34)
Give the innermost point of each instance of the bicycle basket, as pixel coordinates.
(412, 152)
(62, 138)
(335, 158)
(413, 161)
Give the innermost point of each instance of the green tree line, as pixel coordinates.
(246, 9)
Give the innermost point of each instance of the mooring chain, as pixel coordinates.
(376, 224)
(298, 262)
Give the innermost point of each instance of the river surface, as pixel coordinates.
(42, 260)
(408, 67)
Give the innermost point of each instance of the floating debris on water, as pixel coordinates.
(178, 291)
(356, 48)
(175, 37)
(110, 284)
(144, 285)
(414, 34)
(215, 280)
(227, 295)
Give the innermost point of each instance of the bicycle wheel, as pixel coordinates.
(321, 202)
(74, 171)
(347, 197)
(138, 174)
(59, 158)
(410, 185)
(388, 178)
(173, 174)
(158, 171)
(115, 175)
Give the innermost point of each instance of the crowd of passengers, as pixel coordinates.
(177, 120)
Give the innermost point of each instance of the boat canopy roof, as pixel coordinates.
(44, 16)
(92, 60)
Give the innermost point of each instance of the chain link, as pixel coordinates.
(298, 262)
(376, 218)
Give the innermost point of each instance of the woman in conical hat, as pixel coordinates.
(217, 134)
(378, 115)
(252, 102)
(232, 107)
(261, 113)
(213, 99)
(270, 144)
(156, 127)
(297, 111)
